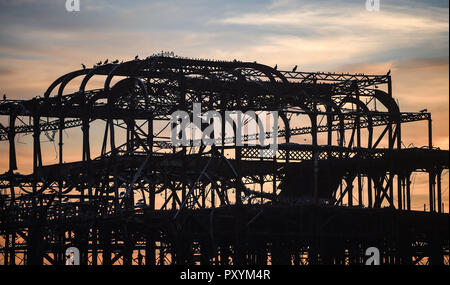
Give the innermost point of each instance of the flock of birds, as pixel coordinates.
(173, 55)
(106, 62)
(137, 58)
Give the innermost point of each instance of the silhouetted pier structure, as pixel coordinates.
(345, 188)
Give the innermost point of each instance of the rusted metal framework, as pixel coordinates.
(339, 182)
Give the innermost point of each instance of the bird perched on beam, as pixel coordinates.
(275, 67)
(116, 61)
(294, 69)
(99, 63)
(136, 57)
(84, 66)
(388, 73)
(106, 61)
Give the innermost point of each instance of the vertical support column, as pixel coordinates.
(105, 138)
(150, 135)
(130, 150)
(316, 176)
(358, 143)
(274, 172)
(358, 124)
(127, 251)
(86, 155)
(315, 154)
(151, 197)
(390, 186)
(287, 127)
(113, 157)
(350, 191)
(430, 133)
(106, 244)
(150, 138)
(400, 179)
(360, 190)
(238, 155)
(37, 163)
(369, 191)
(12, 155)
(213, 196)
(174, 195)
(408, 192)
(398, 134)
(150, 253)
(94, 246)
(112, 138)
(398, 130)
(439, 191)
(314, 127)
(60, 145)
(237, 128)
(35, 249)
(370, 138)
(6, 249)
(222, 113)
(130, 136)
(86, 147)
(37, 158)
(341, 130)
(82, 243)
(329, 126)
(430, 174)
(431, 189)
(12, 146)
(12, 252)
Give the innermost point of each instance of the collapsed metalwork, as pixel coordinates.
(144, 201)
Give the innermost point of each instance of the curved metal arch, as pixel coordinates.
(355, 101)
(241, 78)
(273, 90)
(237, 73)
(93, 72)
(365, 110)
(70, 75)
(287, 126)
(330, 103)
(234, 71)
(109, 102)
(66, 81)
(224, 65)
(360, 104)
(180, 78)
(133, 63)
(387, 101)
(267, 70)
(136, 80)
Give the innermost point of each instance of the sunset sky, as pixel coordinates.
(40, 40)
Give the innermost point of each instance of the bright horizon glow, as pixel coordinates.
(40, 40)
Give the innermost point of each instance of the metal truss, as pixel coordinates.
(341, 170)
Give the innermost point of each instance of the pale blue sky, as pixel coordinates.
(314, 34)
